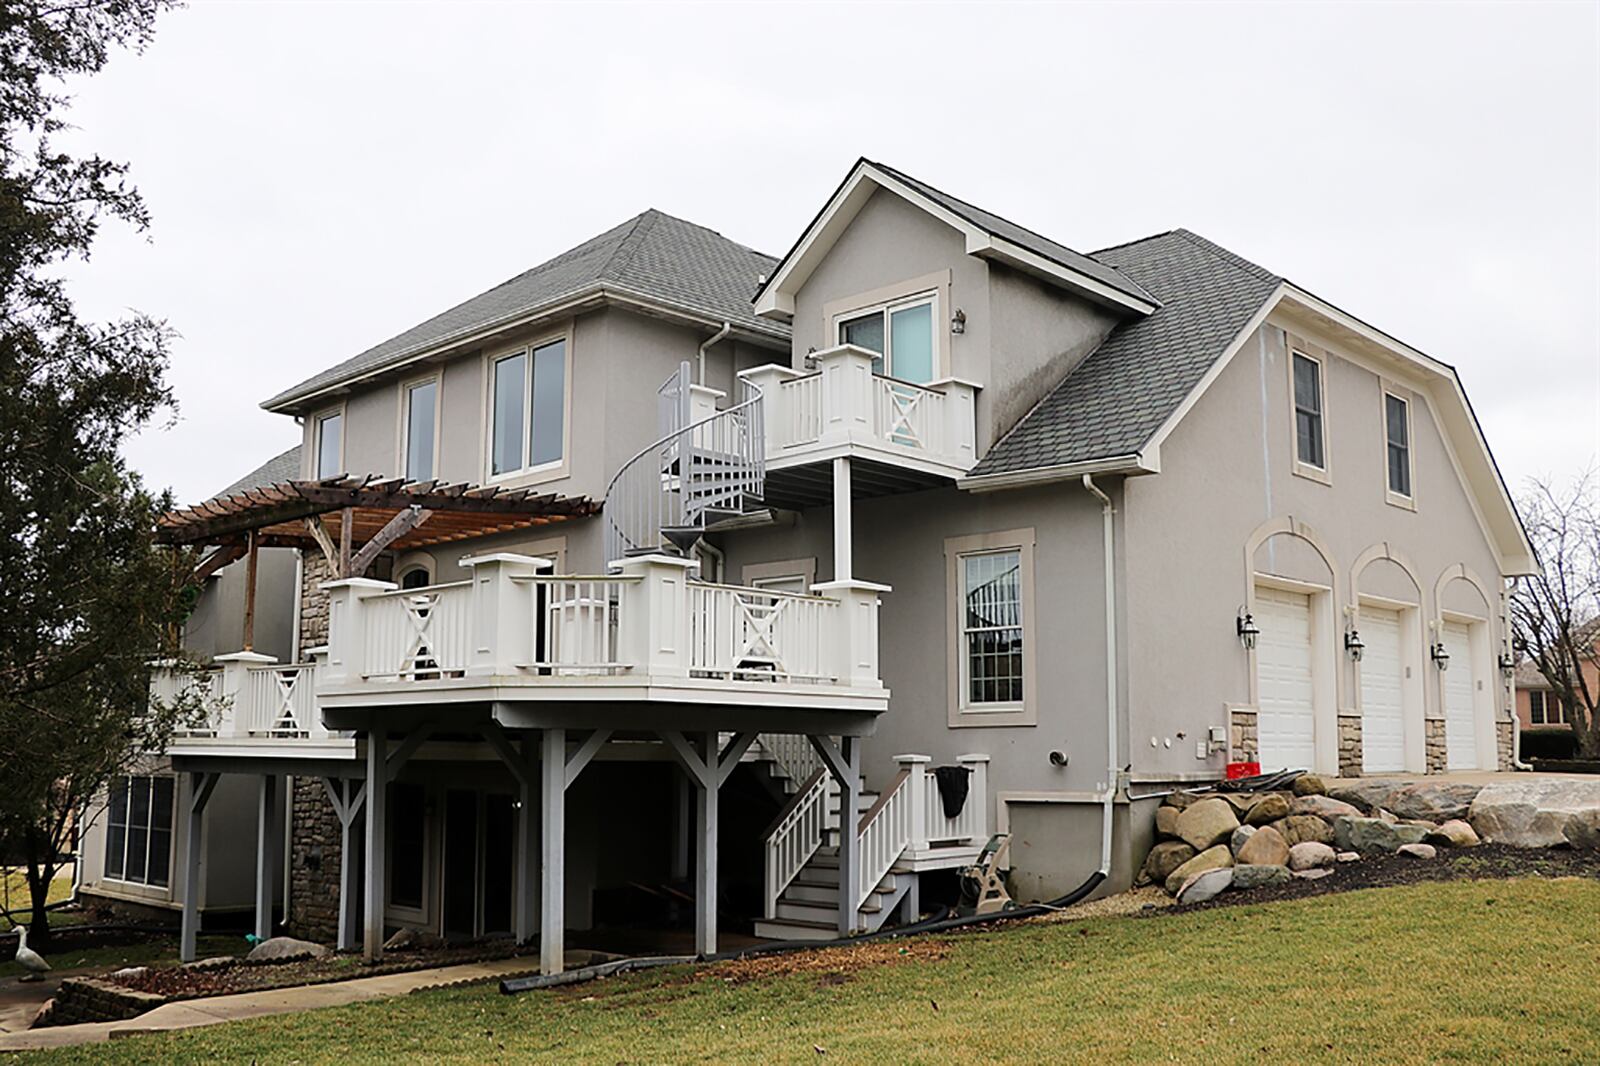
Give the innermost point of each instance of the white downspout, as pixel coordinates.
(727, 328)
(1108, 801)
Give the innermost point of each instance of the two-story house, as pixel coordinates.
(930, 501)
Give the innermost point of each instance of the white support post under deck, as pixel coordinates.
(849, 842)
(527, 845)
(200, 786)
(376, 868)
(266, 849)
(843, 564)
(705, 873)
(553, 845)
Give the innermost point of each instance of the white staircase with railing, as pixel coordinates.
(707, 466)
(899, 834)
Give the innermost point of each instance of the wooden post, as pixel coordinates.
(251, 560)
(377, 802)
(347, 534)
(553, 845)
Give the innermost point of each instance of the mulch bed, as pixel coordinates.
(1486, 862)
(177, 982)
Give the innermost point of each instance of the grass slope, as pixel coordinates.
(1484, 971)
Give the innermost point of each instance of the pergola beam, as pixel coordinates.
(402, 523)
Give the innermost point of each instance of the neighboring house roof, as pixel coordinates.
(653, 257)
(987, 236)
(1528, 675)
(284, 467)
(1118, 397)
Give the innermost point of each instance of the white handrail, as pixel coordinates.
(795, 838)
(884, 837)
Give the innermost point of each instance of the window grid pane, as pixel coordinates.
(1399, 448)
(117, 827)
(1308, 411)
(421, 403)
(549, 404)
(992, 625)
(509, 404)
(329, 432)
(911, 344)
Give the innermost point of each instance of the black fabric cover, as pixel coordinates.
(953, 782)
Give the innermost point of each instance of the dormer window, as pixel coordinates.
(900, 332)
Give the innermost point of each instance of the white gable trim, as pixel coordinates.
(1440, 386)
(776, 299)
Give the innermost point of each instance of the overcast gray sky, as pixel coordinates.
(324, 175)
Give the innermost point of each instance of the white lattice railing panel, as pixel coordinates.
(418, 634)
(794, 754)
(795, 838)
(758, 634)
(908, 415)
(170, 686)
(280, 701)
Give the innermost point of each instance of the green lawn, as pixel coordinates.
(14, 887)
(1486, 971)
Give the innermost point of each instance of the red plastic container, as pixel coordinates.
(1236, 770)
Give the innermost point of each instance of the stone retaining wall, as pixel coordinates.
(85, 999)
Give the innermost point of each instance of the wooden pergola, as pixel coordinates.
(351, 520)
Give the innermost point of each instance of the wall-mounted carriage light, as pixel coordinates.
(1440, 657)
(1247, 629)
(1354, 645)
(958, 321)
(1508, 663)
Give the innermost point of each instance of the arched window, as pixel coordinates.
(415, 578)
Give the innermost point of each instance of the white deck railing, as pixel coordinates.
(247, 695)
(844, 403)
(521, 627)
(172, 685)
(280, 701)
(883, 835)
(795, 837)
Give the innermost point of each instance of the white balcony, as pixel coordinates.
(250, 703)
(843, 409)
(649, 634)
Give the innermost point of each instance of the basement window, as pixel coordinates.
(139, 830)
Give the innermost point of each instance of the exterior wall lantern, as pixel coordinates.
(1354, 645)
(1247, 629)
(958, 321)
(1508, 663)
(1440, 657)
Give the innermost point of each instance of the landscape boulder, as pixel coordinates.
(1206, 885)
(1180, 800)
(1348, 856)
(1323, 807)
(1266, 847)
(1239, 837)
(1267, 809)
(1364, 792)
(1371, 836)
(1531, 812)
(1167, 822)
(1433, 801)
(1211, 859)
(1583, 830)
(1301, 827)
(1165, 858)
(215, 962)
(1314, 874)
(1310, 785)
(1310, 855)
(285, 949)
(1418, 851)
(1454, 833)
(1249, 875)
(1207, 823)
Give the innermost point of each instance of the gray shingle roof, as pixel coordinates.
(677, 263)
(1104, 272)
(1116, 399)
(285, 467)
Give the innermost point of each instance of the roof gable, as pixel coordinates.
(652, 256)
(987, 236)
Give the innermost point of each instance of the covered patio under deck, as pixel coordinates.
(545, 746)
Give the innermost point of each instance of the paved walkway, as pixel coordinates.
(188, 1014)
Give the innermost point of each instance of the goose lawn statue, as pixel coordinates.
(28, 959)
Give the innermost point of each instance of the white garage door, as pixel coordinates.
(1460, 684)
(1382, 715)
(1284, 724)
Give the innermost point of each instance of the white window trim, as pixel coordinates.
(527, 475)
(1546, 698)
(403, 421)
(1390, 496)
(1324, 473)
(961, 713)
(172, 839)
(934, 287)
(753, 574)
(317, 419)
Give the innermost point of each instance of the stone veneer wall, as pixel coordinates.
(1242, 736)
(313, 909)
(314, 862)
(1433, 730)
(1504, 738)
(1350, 745)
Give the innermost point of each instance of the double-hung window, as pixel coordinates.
(900, 332)
(991, 588)
(1397, 444)
(1544, 708)
(139, 830)
(421, 419)
(1309, 444)
(330, 444)
(528, 407)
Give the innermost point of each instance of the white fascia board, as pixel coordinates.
(1145, 462)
